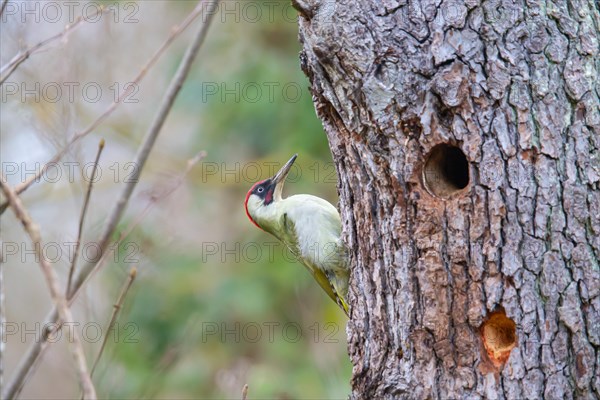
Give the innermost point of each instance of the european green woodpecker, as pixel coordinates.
(309, 226)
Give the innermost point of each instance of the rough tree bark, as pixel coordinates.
(467, 142)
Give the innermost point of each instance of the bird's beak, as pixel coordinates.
(279, 178)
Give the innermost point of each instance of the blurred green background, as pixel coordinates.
(217, 303)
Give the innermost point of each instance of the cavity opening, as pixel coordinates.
(499, 334)
(446, 170)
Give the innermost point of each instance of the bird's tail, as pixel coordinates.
(343, 305)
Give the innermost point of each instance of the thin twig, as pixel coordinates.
(82, 216)
(245, 392)
(117, 212)
(113, 319)
(175, 32)
(154, 200)
(18, 59)
(59, 300)
(107, 255)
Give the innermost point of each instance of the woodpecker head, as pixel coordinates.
(263, 195)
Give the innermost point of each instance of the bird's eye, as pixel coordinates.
(260, 190)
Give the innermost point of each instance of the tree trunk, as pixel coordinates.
(466, 138)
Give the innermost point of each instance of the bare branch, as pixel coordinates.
(18, 59)
(118, 209)
(108, 254)
(143, 153)
(59, 300)
(115, 314)
(175, 32)
(82, 216)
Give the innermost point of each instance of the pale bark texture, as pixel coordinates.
(475, 268)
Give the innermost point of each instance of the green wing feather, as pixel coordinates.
(328, 287)
(328, 284)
